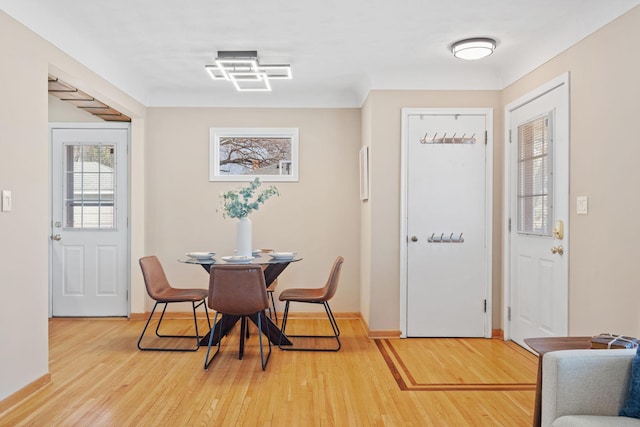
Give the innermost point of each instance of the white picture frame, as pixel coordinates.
(364, 173)
(244, 154)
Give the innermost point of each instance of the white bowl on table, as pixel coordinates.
(282, 255)
(201, 255)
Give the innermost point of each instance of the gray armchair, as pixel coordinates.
(586, 388)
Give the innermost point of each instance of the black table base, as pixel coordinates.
(227, 322)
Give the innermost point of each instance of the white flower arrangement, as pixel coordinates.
(241, 202)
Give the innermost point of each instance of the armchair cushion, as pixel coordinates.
(631, 407)
(594, 421)
(580, 385)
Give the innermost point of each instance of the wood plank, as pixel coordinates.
(69, 95)
(80, 99)
(98, 377)
(101, 111)
(114, 118)
(94, 103)
(58, 86)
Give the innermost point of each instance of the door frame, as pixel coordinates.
(89, 125)
(561, 82)
(404, 179)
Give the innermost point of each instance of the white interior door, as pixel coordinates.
(538, 206)
(447, 257)
(89, 250)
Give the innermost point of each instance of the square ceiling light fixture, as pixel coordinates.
(243, 69)
(475, 48)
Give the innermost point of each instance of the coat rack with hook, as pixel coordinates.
(444, 139)
(446, 238)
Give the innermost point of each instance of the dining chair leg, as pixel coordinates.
(260, 333)
(159, 335)
(206, 313)
(243, 331)
(146, 326)
(285, 315)
(194, 307)
(332, 321)
(273, 304)
(208, 361)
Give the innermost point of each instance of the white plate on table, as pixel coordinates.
(201, 255)
(282, 255)
(236, 259)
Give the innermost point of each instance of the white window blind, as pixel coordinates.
(89, 186)
(535, 168)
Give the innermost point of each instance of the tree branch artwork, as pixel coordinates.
(242, 154)
(245, 155)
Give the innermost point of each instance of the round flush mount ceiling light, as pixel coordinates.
(475, 48)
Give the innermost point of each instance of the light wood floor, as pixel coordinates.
(99, 378)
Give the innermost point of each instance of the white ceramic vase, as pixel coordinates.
(243, 237)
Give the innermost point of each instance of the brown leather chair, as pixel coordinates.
(238, 290)
(162, 292)
(314, 296)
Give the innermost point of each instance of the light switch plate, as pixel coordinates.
(582, 205)
(6, 201)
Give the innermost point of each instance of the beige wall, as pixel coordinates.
(173, 202)
(317, 216)
(24, 162)
(365, 223)
(24, 169)
(384, 110)
(605, 148)
(61, 112)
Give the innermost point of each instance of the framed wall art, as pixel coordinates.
(243, 154)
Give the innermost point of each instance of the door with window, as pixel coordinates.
(89, 250)
(538, 211)
(447, 253)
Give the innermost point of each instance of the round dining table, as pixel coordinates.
(273, 267)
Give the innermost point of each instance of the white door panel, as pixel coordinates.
(446, 226)
(89, 250)
(538, 277)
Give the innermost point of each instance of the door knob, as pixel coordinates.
(557, 250)
(414, 239)
(56, 237)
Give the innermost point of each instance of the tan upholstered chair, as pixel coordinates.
(162, 292)
(238, 290)
(314, 296)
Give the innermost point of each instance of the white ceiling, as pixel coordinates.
(156, 50)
